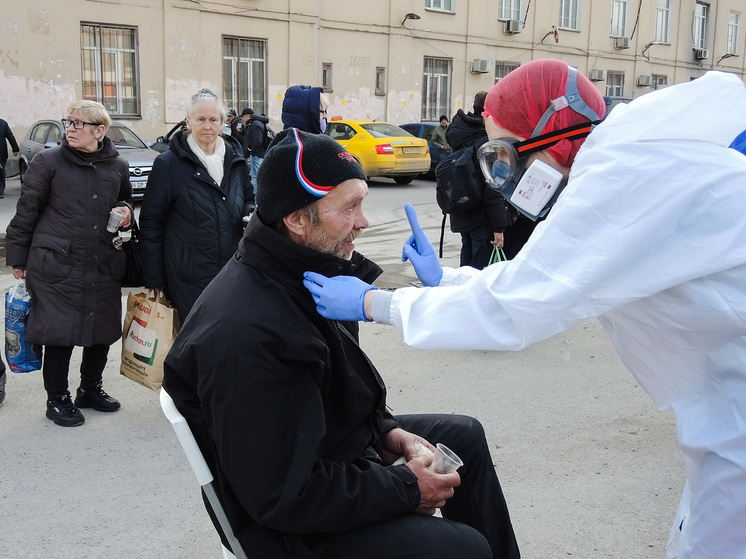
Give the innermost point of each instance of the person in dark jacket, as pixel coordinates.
(304, 107)
(256, 133)
(193, 211)
(6, 135)
(289, 411)
(483, 227)
(58, 241)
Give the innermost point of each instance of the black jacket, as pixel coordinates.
(59, 235)
(468, 129)
(255, 135)
(189, 225)
(285, 401)
(6, 134)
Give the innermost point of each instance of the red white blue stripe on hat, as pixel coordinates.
(316, 190)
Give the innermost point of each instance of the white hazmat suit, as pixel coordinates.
(649, 236)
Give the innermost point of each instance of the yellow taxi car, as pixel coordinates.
(383, 149)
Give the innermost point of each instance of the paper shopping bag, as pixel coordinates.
(150, 327)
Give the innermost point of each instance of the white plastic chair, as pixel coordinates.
(202, 471)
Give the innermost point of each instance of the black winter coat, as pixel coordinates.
(468, 129)
(255, 136)
(189, 225)
(285, 401)
(6, 135)
(73, 271)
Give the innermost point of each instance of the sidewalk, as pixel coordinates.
(590, 468)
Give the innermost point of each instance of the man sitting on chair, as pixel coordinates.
(289, 411)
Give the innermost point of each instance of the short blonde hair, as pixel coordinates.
(92, 111)
(323, 102)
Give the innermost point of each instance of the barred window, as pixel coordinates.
(436, 88)
(244, 74)
(502, 69)
(110, 67)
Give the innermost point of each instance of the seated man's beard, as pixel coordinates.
(321, 241)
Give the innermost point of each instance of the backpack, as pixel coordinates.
(269, 135)
(459, 185)
(458, 181)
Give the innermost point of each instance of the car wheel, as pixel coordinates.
(404, 180)
(21, 169)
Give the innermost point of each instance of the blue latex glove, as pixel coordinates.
(420, 252)
(338, 298)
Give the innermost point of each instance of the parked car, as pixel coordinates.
(161, 142)
(48, 133)
(424, 130)
(383, 149)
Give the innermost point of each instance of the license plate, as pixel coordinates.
(411, 150)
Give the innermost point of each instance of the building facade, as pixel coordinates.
(394, 60)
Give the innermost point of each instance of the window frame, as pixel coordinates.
(380, 81)
(611, 86)
(700, 25)
(451, 9)
(619, 18)
(501, 66)
(570, 15)
(327, 85)
(509, 10)
(659, 81)
(734, 33)
(663, 18)
(434, 101)
(110, 70)
(242, 58)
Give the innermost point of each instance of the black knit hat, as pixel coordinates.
(299, 169)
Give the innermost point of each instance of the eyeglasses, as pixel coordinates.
(77, 124)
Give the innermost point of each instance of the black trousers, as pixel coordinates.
(475, 523)
(57, 365)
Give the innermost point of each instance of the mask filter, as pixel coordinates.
(536, 191)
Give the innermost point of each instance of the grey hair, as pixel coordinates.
(311, 211)
(206, 96)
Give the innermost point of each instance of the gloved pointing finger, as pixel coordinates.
(420, 251)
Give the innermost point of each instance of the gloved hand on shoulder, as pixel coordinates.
(338, 298)
(420, 252)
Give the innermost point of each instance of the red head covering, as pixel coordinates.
(518, 101)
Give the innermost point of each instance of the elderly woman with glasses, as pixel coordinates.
(59, 243)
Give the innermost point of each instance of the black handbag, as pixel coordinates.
(133, 273)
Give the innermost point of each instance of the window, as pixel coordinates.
(509, 9)
(326, 76)
(619, 15)
(659, 81)
(244, 74)
(734, 23)
(699, 31)
(614, 84)
(502, 69)
(570, 14)
(436, 88)
(380, 81)
(662, 21)
(109, 64)
(441, 5)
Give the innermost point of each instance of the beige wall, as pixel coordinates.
(180, 50)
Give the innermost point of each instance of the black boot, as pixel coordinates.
(63, 412)
(96, 398)
(3, 376)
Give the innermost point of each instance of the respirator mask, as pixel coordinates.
(533, 189)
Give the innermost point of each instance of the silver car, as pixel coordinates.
(47, 133)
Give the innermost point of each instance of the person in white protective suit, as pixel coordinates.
(648, 235)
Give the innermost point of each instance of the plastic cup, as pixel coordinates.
(116, 215)
(445, 460)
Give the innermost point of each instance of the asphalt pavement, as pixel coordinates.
(590, 468)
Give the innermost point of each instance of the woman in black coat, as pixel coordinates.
(192, 215)
(59, 243)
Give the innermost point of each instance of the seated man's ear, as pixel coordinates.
(296, 223)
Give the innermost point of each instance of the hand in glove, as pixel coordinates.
(421, 252)
(338, 298)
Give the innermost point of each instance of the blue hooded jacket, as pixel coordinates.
(300, 108)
